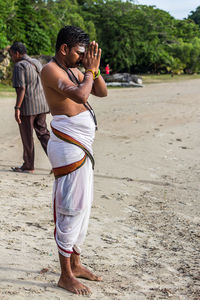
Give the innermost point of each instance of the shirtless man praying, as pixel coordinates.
(70, 146)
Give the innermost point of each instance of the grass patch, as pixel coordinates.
(6, 90)
(167, 77)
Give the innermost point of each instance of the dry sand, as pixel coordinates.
(143, 236)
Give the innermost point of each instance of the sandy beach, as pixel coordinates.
(144, 235)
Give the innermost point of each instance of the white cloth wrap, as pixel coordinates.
(73, 193)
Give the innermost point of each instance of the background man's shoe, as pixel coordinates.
(21, 170)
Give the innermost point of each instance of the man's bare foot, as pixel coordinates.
(71, 284)
(80, 271)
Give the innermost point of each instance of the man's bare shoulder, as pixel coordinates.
(51, 73)
(48, 67)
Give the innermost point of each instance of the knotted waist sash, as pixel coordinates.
(65, 170)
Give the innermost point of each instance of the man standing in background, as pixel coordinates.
(31, 106)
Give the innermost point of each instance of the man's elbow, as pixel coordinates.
(82, 98)
(103, 94)
(19, 89)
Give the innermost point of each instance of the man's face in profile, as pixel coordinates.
(14, 56)
(75, 55)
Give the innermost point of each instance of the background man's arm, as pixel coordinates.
(20, 91)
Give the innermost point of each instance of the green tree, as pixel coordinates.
(133, 37)
(136, 38)
(26, 27)
(195, 15)
(6, 13)
(70, 13)
(188, 53)
(186, 30)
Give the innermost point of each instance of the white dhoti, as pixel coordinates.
(70, 153)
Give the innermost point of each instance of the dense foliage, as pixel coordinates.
(195, 15)
(134, 38)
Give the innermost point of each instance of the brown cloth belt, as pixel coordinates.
(65, 170)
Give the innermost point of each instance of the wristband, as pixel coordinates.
(98, 74)
(16, 107)
(93, 74)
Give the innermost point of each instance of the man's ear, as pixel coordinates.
(64, 49)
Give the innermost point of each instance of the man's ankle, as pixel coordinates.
(66, 275)
(75, 263)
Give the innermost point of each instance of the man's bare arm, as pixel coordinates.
(55, 78)
(99, 88)
(20, 91)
